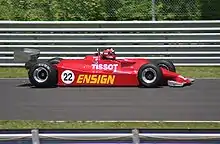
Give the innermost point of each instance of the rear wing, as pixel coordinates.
(26, 55)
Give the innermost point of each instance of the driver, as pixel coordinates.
(109, 54)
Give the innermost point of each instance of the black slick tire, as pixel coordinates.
(43, 75)
(55, 60)
(149, 75)
(166, 64)
(29, 64)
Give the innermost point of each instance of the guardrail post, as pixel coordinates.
(135, 137)
(35, 136)
(153, 10)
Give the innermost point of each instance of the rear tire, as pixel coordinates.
(166, 64)
(29, 64)
(55, 60)
(149, 75)
(43, 75)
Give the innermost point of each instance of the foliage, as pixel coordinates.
(178, 10)
(67, 10)
(210, 9)
(138, 10)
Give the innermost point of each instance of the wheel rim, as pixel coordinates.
(40, 75)
(149, 75)
(164, 66)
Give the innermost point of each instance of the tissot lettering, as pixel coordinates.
(105, 66)
(96, 79)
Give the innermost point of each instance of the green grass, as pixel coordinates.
(7, 72)
(200, 72)
(20, 124)
(194, 72)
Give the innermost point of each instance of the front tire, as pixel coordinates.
(149, 75)
(166, 64)
(42, 75)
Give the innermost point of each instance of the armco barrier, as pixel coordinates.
(111, 136)
(195, 43)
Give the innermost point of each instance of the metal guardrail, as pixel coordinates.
(186, 43)
(103, 136)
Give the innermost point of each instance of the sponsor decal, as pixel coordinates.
(67, 76)
(95, 79)
(105, 66)
(44, 65)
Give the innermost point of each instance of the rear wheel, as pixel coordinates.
(149, 75)
(43, 74)
(29, 64)
(55, 60)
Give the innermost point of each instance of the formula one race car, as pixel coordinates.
(102, 69)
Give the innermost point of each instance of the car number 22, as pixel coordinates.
(67, 76)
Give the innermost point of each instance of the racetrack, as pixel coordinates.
(197, 102)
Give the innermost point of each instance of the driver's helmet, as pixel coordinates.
(109, 53)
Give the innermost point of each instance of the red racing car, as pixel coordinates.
(102, 69)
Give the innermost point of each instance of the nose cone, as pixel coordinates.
(186, 82)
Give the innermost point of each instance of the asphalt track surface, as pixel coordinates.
(198, 102)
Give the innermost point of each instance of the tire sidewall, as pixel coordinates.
(158, 75)
(52, 75)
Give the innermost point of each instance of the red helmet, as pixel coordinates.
(109, 54)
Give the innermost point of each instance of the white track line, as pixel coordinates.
(207, 78)
(13, 78)
(161, 121)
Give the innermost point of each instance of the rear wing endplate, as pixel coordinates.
(26, 55)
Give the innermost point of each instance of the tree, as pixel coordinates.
(210, 9)
(178, 9)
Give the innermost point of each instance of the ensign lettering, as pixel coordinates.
(95, 79)
(105, 66)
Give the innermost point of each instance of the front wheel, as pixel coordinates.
(149, 75)
(166, 64)
(43, 74)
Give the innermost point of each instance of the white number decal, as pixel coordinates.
(67, 77)
(105, 66)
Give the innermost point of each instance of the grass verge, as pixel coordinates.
(194, 72)
(20, 124)
(13, 72)
(200, 72)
